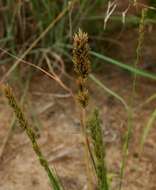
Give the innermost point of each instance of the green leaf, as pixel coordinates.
(136, 71)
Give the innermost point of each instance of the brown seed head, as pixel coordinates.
(83, 98)
(81, 82)
(81, 54)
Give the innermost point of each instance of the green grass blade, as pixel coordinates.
(129, 68)
(100, 84)
(124, 66)
(147, 128)
(148, 100)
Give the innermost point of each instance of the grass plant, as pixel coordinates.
(94, 126)
(54, 181)
(43, 29)
(130, 125)
(82, 68)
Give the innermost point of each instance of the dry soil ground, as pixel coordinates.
(61, 141)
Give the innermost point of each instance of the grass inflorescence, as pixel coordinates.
(55, 184)
(82, 65)
(82, 68)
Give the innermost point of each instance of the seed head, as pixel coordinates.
(83, 98)
(81, 82)
(81, 54)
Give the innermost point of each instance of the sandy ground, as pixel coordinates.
(61, 141)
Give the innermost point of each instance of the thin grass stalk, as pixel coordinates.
(87, 150)
(130, 118)
(94, 125)
(147, 129)
(51, 76)
(55, 184)
(138, 50)
(109, 91)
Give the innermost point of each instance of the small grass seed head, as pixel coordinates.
(83, 98)
(81, 54)
(81, 82)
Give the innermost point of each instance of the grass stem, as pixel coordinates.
(32, 137)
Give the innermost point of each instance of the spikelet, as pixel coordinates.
(81, 65)
(54, 181)
(83, 98)
(81, 54)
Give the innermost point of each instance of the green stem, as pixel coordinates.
(30, 133)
